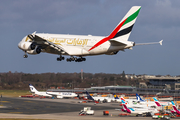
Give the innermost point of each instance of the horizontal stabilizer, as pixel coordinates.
(160, 42)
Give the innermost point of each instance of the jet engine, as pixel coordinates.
(28, 46)
(37, 50)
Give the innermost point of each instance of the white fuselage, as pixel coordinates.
(107, 99)
(62, 94)
(76, 45)
(42, 94)
(141, 110)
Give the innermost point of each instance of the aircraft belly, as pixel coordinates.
(115, 48)
(76, 51)
(52, 51)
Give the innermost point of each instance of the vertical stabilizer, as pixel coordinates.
(89, 96)
(139, 98)
(175, 108)
(127, 109)
(157, 102)
(33, 89)
(124, 28)
(115, 96)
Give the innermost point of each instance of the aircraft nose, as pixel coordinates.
(19, 45)
(21, 42)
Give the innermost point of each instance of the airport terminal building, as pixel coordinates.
(155, 85)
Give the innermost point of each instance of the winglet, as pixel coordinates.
(33, 34)
(160, 42)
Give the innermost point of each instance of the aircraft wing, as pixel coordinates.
(45, 44)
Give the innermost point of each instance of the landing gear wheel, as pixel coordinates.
(25, 56)
(72, 58)
(83, 59)
(60, 58)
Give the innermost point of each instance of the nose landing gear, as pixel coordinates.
(25, 55)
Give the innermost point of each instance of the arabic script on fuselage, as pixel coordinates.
(74, 41)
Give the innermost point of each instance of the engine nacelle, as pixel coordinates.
(28, 46)
(37, 50)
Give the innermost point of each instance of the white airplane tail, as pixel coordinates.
(33, 89)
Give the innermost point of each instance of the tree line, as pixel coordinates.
(44, 81)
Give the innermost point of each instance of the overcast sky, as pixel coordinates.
(157, 20)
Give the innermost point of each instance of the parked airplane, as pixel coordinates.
(100, 99)
(33, 90)
(161, 103)
(62, 94)
(129, 101)
(144, 102)
(132, 101)
(136, 103)
(175, 110)
(138, 110)
(79, 45)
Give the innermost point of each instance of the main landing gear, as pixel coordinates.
(80, 59)
(76, 59)
(25, 55)
(60, 58)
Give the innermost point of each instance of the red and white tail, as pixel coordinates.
(175, 108)
(123, 30)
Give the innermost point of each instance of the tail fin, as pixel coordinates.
(33, 89)
(89, 96)
(124, 28)
(123, 99)
(175, 108)
(156, 101)
(139, 98)
(127, 109)
(115, 96)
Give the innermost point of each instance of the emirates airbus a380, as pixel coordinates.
(78, 46)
